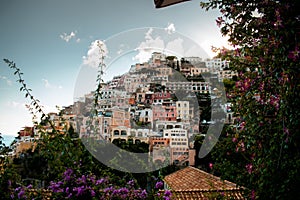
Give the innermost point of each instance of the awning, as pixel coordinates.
(165, 3)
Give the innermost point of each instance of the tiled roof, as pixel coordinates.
(193, 183)
(207, 195)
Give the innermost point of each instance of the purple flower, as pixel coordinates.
(67, 174)
(92, 179)
(98, 182)
(93, 193)
(130, 183)
(143, 195)
(159, 185)
(21, 194)
(109, 189)
(168, 193)
(55, 187)
(82, 179)
(69, 196)
(18, 188)
(79, 190)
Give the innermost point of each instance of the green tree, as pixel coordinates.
(263, 150)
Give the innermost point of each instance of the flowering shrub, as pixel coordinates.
(261, 151)
(75, 186)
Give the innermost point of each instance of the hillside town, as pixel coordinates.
(159, 103)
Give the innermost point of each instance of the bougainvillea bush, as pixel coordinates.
(74, 185)
(262, 150)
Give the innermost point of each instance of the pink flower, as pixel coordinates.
(210, 165)
(247, 84)
(261, 86)
(294, 55)
(242, 125)
(249, 168)
(274, 101)
(253, 195)
(242, 145)
(234, 140)
(286, 130)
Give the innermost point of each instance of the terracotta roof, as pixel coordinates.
(207, 195)
(193, 183)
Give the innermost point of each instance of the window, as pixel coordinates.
(116, 132)
(123, 132)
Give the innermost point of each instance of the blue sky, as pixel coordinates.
(49, 40)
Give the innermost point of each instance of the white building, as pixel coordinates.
(216, 64)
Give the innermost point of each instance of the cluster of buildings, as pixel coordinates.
(154, 102)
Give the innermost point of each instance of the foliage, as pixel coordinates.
(262, 151)
(56, 151)
(75, 185)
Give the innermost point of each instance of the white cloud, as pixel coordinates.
(147, 47)
(50, 86)
(67, 37)
(93, 56)
(152, 44)
(8, 82)
(170, 28)
(176, 46)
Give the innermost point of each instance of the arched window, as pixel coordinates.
(116, 132)
(123, 132)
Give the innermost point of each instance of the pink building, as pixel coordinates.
(164, 113)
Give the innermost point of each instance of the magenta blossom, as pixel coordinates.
(294, 55)
(159, 185)
(249, 168)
